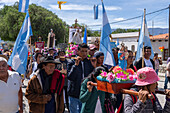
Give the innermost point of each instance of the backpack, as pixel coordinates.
(134, 98)
(109, 103)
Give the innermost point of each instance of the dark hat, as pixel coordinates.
(50, 59)
(51, 49)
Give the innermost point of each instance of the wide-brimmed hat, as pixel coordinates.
(146, 76)
(48, 59)
(51, 49)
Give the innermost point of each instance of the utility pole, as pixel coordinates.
(169, 34)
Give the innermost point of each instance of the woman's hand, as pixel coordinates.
(89, 86)
(143, 95)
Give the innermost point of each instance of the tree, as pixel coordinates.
(119, 30)
(42, 20)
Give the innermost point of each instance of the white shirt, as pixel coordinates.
(98, 106)
(9, 93)
(148, 63)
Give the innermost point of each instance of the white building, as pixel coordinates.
(129, 39)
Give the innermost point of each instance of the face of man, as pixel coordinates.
(51, 52)
(83, 52)
(61, 54)
(91, 52)
(49, 68)
(3, 68)
(147, 53)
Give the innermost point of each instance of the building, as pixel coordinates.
(131, 41)
(160, 41)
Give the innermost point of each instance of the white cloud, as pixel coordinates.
(82, 7)
(8, 1)
(118, 19)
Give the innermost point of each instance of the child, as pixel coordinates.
(146, 84)
(91, 98)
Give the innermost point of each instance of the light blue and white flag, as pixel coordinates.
(144, 37)
(18, 58)
(85, 36)
(105, 41)
(95, 11)
(117, 42)
(23, 6)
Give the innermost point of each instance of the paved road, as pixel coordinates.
(160, 97)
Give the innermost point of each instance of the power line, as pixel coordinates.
(131, 18)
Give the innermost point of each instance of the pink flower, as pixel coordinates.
(110, 77)
(130, 71)
(135, 76)
(116, 69)
(103, 74)
(72, 48)
(131, 77)
(121, 76)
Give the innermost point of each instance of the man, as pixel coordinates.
(51, 52)
(92, 49)
(147, 61)
(62, 66)
(51, 39)
(10, 89)
(44, 90)
(78, 69)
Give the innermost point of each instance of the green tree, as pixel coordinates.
(42, 20)
(119, 30)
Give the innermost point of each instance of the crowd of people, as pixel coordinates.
(57, 83)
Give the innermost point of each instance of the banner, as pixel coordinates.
(39, 45)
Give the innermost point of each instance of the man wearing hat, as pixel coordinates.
(51, 52)
(10, 89)
(45, 89)
(92, 49)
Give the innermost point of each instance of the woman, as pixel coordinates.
(33, 67)
(91, 98)
(146, 83)
(130, 61)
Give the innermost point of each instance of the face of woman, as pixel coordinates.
(100, 60)
(152, 87)
(38, 58)
(130, 59)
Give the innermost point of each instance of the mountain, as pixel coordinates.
(157, 31)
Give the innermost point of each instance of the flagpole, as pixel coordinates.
(143, 38)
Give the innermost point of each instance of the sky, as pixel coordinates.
(117, 10)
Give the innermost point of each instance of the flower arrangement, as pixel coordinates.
(71, 50)
(118, 75)
(44, 51)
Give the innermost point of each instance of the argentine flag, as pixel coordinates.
(105, 41)
(144, 37)
(18, 58)
(23, 6)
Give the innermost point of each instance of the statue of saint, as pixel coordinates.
(51, 40)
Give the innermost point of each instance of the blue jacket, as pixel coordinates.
(75, 76)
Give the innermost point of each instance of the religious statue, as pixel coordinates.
(51, 40)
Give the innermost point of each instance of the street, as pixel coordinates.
(160, 97)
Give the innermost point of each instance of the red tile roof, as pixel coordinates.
(160, 37)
